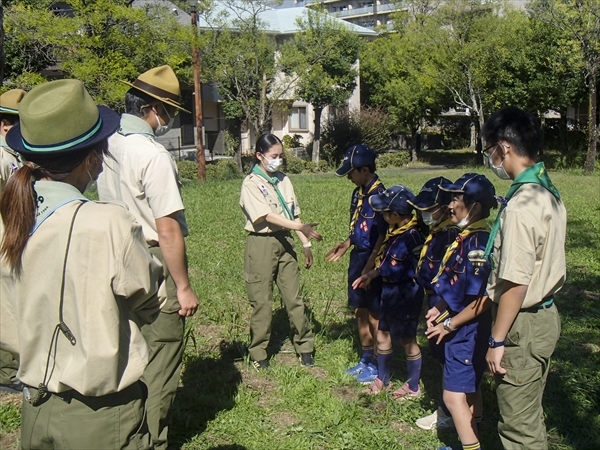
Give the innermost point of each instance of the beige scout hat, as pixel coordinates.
(160, 83)
(9, 101)
(60, 117)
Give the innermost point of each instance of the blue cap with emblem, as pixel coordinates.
(431, 195)
(359, 155)
(396, 198)
(476, 186)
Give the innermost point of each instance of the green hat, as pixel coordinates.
(9, 101)
(160, 83)
(60, 117)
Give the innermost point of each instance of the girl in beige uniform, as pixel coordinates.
(271, 210)
(84, 281)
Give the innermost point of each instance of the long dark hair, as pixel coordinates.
(263, 144)
(18, 200)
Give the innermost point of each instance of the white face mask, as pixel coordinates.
(500, 171)
(465, 221)
(163, 129)
(272, 165)
(428, 218)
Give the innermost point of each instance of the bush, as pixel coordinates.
(292, 141)
(310, 166)
(393, 159)
(291, 163)
(188, 170)
(223, 169)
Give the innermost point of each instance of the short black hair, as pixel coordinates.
(518, 127)
(10, 118)
(136, 101)
(485, 210)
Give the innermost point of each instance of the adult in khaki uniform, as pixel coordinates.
(9, 164)
(144, 176)
(84, 281)
(528, 269)
(271, 210)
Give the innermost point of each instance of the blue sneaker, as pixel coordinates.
(354, 371)
(368, 375)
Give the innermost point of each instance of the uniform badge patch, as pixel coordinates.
(263, 189)
(364, 226)
(476, 258)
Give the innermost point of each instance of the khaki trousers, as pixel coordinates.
(164, 337)
(267, 259)
(74, 421)
(8, 368)
(529, 346)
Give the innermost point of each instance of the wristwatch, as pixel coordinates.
(494, 344)
(447, 325)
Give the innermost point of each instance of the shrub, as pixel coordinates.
(223, 169)
(188, 170)
(291, 163)
(393, 159)
(310, 166)
(292, 141)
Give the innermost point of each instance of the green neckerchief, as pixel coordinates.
(534, 174)
(51, 195)
(273, 181)
(131, 124)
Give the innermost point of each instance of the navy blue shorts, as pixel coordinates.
(465, 355)
(362, 298)
(401, 305)
(436, 350)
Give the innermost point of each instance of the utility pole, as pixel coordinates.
(200, 157)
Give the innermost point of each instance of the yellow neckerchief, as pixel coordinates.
(436, 229)
(391, 232)
(480, 225)
(361, 196)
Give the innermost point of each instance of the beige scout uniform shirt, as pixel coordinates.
(111, 285)
(144, 177)
(258, 198)
(9, 163)
(529, 248)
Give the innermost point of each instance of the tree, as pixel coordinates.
(323, 58)
(580, 20)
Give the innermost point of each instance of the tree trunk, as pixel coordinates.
(590, 160)
(1, 44)
(542, 133)
(317, 136)
(416, 144)
(562, 131)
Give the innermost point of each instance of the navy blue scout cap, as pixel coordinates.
(431, 195)
(394, 199)
(356, 156)
(476, 186)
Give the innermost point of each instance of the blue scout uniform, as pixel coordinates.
(461, 279)
(365, 227)
(401, 295)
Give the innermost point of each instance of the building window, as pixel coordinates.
(297, 118)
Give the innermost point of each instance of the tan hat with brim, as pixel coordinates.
(9, 101)
(60, 117)
(160, 83)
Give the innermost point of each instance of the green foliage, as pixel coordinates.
(291, 163)
(188, 170)
(312, 167)
(393, 159)
(293, 141)
(10, 417)
(231, 143)
(222, 170)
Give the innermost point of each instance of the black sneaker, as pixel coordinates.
(307, 360)
(261, 365)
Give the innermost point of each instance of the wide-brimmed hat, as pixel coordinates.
(9, 101)
(60, 117)
(357, 156)
(476, 186)
(432, 195)
(396, 198)
(160, 83)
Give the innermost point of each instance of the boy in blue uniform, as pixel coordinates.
(461, 282)
(367, 231)
(401, 295)
(432, 202)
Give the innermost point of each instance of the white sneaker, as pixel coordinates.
(437, 419)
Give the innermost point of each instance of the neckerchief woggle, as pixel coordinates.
(436, 229)
(361, 197)
(273, 181)
(534, 174)
(480, 225)
(392, 232)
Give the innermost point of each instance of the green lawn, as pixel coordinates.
(225, 404)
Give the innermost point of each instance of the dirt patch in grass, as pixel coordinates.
(345, 393)
(12, 399)
(9, 441)
(284, 419)
(401, 427)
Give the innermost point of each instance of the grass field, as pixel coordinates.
(225, 404)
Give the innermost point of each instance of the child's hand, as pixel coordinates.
(363, 282)
(308, 256)
(337, 252)
(438, 331)
(308, 230)
(431, 315)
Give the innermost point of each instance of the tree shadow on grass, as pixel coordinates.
(209, 386)
(281, 330)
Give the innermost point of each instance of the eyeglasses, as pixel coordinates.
(486, 151)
